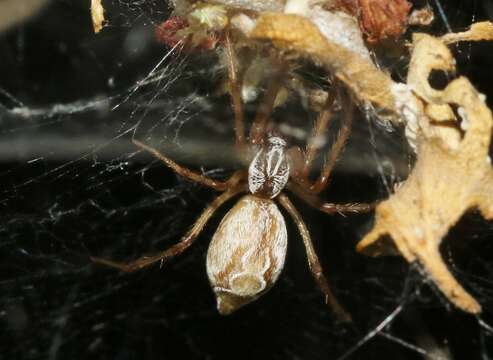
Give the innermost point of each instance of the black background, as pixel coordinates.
(72, 186)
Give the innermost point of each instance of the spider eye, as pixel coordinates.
(268, 173)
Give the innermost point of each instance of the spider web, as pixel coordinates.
(74, 186)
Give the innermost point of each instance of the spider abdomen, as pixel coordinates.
(247, 252)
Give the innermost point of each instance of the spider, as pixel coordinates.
(247, 251)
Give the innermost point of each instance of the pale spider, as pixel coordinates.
(247, 251)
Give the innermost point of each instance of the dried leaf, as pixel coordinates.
(351, 6)
(426, 104)
(255, 5)
(341, 29)
(166, 32)
(452, 174)
(97, 13)
(443, 185)
(478, 32)
(382, 19)
(296, 33)
(379, 19)
(437, 118)
(428, 53)
(421, 17)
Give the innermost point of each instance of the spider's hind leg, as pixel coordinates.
(313, 261)
(260, 124)
(176, 249)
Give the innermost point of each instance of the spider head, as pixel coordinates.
(268, 172)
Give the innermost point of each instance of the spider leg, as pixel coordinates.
(297, 160)
(178, 248)
(259, 125)
(313, 145)
(184, 172)
(323, 180)
(313, 261)
(330, 208)
(235, 92)
(356, 208)
(307, 191)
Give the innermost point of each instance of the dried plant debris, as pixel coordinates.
(254, 5)
(372, 88)
(420, 104)
(421, 17)
(299, 34)
(97, 13)
(380, 19)
(452, 174)
(317, 29)
(478, 32)
(443, 185)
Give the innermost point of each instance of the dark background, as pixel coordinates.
(72, 186)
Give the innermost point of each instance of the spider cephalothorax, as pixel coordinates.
(268, 172)
(247, 252)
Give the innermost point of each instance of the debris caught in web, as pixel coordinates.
(452, 173)
(97, 13)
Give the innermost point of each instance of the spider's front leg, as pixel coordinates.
(329, 208)
(176, 249)
(235, 92)
(313, 144)
(261, 121)
(302, 163)
(189, 174)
